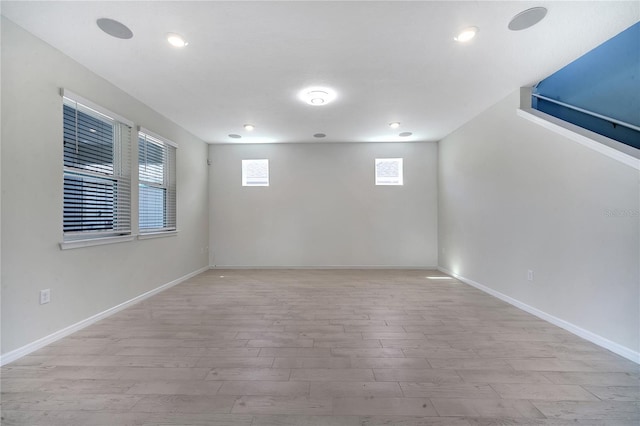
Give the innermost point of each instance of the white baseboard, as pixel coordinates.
(33, 346)
(324, 267)
(616, 348)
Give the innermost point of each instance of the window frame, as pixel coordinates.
(169, 185)
(245, 164)
(379, 180)
(120, 176)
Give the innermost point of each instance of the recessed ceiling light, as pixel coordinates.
(394, 125)
(527, 18)
(439, 278)
(466, 34)
(249, 127)
(234, 136)
(319, 135)
(176, 40)
(114, 28)
(317, 96)
(405, 134)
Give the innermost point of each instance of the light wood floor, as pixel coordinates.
(311, 348)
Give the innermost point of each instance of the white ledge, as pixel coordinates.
(606, 146)
(66, 245)
(150, 235)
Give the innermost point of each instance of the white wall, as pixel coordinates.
(322, 208)
(86, 281)
(514, 196)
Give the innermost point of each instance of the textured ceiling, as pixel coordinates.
(387, 60)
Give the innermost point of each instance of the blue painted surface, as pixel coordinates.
(605, 81)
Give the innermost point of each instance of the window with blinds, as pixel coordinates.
(157, 183)
(97, 173)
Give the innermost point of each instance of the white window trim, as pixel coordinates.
(144, 234)
(110, 115)
(160, 234)
(157, 136)
(244, 174)
(97, 108)
(401, 170)
(67, 245)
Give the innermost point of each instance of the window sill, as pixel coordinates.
(67, 245)
(150, 235)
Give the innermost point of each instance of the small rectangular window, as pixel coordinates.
(157, 183)
(97, 171)
(255, 172)
(389, 171)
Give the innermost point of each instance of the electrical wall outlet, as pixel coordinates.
(45, 296)
(529, 275)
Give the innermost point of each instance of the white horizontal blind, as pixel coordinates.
(157, 184)
(97, 173)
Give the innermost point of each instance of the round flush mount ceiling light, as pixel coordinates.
(319, 135)
(405, 134)
(394, 124)
(466, 35)
(176, 40)
(317, 96)
(114, 28)
(234, 136)
(527, 18)
(249, 127)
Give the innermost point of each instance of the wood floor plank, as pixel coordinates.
(77, 418)
(282, 405)
(184, 404)
(401, 363)
(369, 405)
(502, 376)
(263, 387)
(238, 362)
(323, 362)
(416, 375)
(359, 389)
(593, 378)
(230, 374)
(549, 364)
(333, 374)
(305, 420)
(603, 410)
(615, 393)
(412, 421)
(548, 392)
(464, 407)
(469, 364)
(175, 387)
(448, 390)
